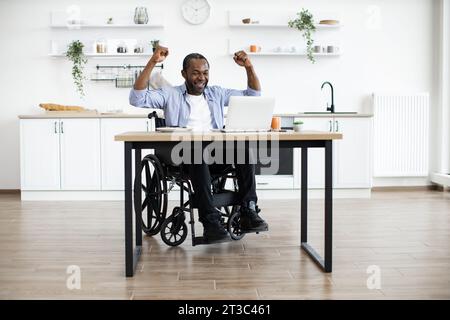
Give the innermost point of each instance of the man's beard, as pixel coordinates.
(196, 88)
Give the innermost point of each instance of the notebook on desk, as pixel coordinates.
(249, 114)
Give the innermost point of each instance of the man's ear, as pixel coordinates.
(183, 73)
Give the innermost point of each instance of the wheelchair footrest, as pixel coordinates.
(198, 240)
(202, 240)
(255, 230)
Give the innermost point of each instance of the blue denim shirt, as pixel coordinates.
(177, 110)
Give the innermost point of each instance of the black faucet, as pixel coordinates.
(332, 96)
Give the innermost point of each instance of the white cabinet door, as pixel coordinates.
(274, 182)
(352, 154)
(80, 154)
(39, 154)
(113, 151)
(316, 156)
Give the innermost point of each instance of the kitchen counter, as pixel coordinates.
(324, 115)
(68, 114)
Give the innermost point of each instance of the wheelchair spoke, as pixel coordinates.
(144, 204)
(147, 173)
(154, 204)
(150, 219)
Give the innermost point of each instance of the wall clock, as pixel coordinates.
(195, 11)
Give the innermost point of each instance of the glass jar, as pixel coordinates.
(122, 48)
(100, 46)
(138, 48)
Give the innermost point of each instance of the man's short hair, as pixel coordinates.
(191, 56)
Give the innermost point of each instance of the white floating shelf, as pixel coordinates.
(279, 25)
(74, 18)
(111, 26)
(278, 19)
(107, 55)
(289, 54)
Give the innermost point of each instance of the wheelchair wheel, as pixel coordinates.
(233, 226)
(174, 230)
(154, 199)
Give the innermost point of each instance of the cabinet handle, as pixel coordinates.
(263, 183)
(56, 123)
(147, 125)
(331, 126)
(62, 127)
(337, 126)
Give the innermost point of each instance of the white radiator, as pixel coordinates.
(401, 126)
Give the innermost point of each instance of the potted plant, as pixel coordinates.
(75, 54)
(305, 23)
(155, 44)
(298, 125)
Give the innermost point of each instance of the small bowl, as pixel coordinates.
(246, 20)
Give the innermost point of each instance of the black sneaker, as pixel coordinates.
(213, 230)
(251, 221)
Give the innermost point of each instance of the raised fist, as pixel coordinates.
(160, 54)
(242, 59)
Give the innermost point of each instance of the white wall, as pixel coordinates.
(392, 54)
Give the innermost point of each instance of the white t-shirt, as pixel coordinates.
(200, 118)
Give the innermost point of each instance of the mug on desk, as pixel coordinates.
(276, 123)
(255, 48)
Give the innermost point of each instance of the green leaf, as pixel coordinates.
(75, 54)
(305, 23)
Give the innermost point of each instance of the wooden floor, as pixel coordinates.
(405, 234)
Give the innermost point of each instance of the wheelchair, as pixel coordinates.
(158, 179)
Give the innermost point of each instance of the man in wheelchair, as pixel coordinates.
(197, 105)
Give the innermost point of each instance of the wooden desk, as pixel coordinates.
(153, 140)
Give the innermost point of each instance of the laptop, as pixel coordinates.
(249, 114)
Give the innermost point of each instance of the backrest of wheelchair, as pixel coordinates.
(162, 153)
(159, 122)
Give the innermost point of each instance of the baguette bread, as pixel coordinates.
(59, 107)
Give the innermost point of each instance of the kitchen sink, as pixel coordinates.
(327, 112)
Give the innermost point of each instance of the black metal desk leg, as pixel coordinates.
(328, 204)
(138, 196)
(128, 212)
(304, 197)
(324, 263)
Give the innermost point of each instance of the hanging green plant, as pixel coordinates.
(75, 54)
(305, 23)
